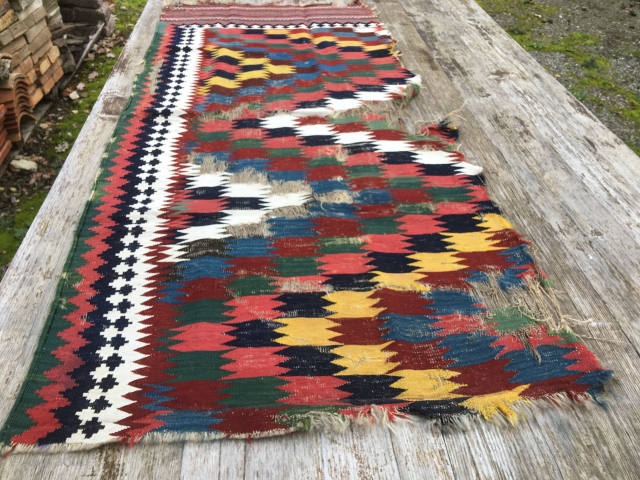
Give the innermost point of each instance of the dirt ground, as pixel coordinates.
(591, 46)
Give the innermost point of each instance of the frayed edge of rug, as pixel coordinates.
(370, 416)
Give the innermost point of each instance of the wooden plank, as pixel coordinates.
(420, 451)
(29, 285)
(232, 460)
(159, 461)
(201, 460)
(359, 453)
(219, 460)
(303, 457)
(458, 62)
(560, 176)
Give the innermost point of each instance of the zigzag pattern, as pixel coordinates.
(253, 256)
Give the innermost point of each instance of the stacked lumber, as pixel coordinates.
(5, 143)
(25, 35)
(31, 61)
(16, 99)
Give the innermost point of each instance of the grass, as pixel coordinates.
(66, 119)
(594, 80)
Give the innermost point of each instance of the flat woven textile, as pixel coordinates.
(269, 250)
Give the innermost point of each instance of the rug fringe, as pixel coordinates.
(370, 416)
(537, 299)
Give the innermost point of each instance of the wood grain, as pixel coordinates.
(538, 180)
(560, 176)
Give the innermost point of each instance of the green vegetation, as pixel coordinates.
(24, 192)
(13, 230)
(593, 81)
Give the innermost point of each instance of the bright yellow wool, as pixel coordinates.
(494, 403)
(401, 281)
(307, 332)
(424, 385)
(349, 304)
(363, 359)
(436, 262)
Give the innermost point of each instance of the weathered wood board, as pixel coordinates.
(560, 176)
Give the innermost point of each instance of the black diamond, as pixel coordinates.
(107, 383)
(123, 306)
(121, 323)
(117, 341)
(92, 427)
(126, 290)
(100, 404)
(113, 361)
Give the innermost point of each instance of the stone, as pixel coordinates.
(25, 66)
(14, 46)
(43, 38)
(20, 56)
(5, 68)
(20, 5)
(19, 28)
(22, 14)
(68, 62)
(36, 30)
(39, 14)
(31, 76)
(35, 97)
(48, 85)
(48, 74)
(109, 27)
(37, 54)
(25, 165)
(4, 6)
(44, 65)
(5, 38)
(58, 72)
(9, 17)
(53, 54)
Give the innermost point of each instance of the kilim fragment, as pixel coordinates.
(267, 250)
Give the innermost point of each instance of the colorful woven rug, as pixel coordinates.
(268, 250)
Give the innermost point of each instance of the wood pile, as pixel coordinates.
(37, 49)
(25, 35)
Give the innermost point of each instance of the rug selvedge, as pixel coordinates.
(268, 251)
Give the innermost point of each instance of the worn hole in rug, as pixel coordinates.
(269, 250)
